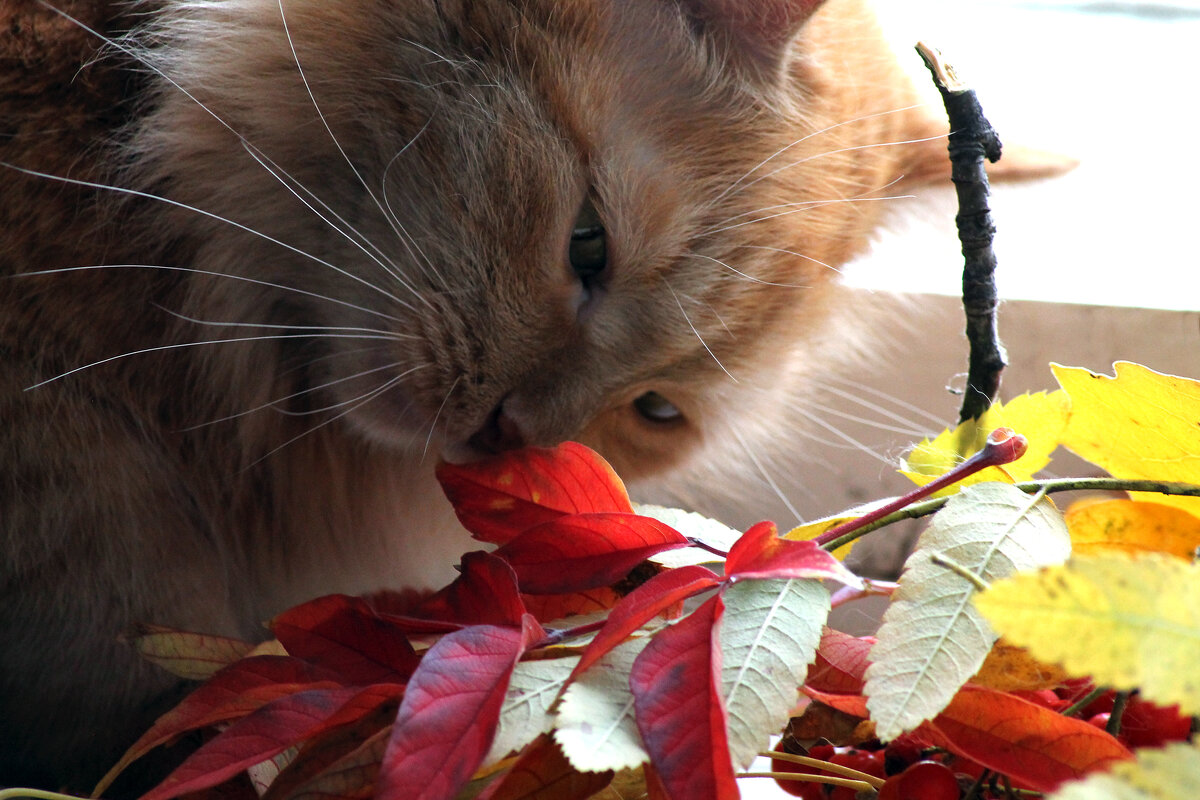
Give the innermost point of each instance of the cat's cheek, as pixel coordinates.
(640, 448)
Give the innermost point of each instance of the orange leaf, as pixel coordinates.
(1035, 746)
(1009, 668)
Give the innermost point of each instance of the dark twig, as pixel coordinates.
(971, 140)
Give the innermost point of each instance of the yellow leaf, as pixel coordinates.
(811, 530)
(1166, 773)
(1009, 668)
(1128, 621)
(1131, 526)
(1138, 424)
(1040, 417)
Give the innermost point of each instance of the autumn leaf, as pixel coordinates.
(1138, 424)
(543, 773)
(643, 604)
(1009, 668)
(761, 554)
(1040, 417)
(484, 593)
(350, 777)
(768, 636)
(811, 530)
(450, 711)
(193, 656)
(554, 607)
(841, 662)
(932, 639)
(675, 682)
(585, 551)
(714, 534)
(1132, 526)
(269, 731)
(498, 498)
(525, 713)
(595, 724)
(1169, 773)
(853, 704)
(235, 692)
(345, 635)
(1034, 745)
(1128, 621)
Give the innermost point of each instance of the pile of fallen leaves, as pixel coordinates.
(601, 645)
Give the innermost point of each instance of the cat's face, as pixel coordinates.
(610, 221)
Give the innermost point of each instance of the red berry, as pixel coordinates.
(925, 780)
(1146, 725)
(1100, 720)
(803, 789)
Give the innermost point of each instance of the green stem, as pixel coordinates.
(1120, 700)
(1080, 705)
(36, 794)
(927, 507)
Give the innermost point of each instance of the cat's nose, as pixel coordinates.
(499, 433)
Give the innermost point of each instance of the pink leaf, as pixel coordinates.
(675, 682)
(450, 712)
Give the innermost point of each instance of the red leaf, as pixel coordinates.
(841, 662)
(585, 551)
(498, 498)
(675, 682)
(1032, 744)
(549, 607)
(351, 777)
(760, 553)
(347, 636)
(234, 692)
(853, 704)
(449, 715)
(542, 772)
(269, 731)
(484, 594)
(642, 605)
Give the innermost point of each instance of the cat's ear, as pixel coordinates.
(756, 32)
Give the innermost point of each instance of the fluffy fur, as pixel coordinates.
(362, 267)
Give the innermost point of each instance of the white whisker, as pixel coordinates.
(293, 395)
(321, 328)
(181, 345)
(801, 140)
(698, 336)
(758, 465)
(398, 230)
(840, 434)
(817, 261)
(741, 274)
(806, 206)
(433, 425)
(857, 390)
(358, 402)
(215, 275)
(211, 215)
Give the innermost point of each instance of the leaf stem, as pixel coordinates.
(1120, 701)
(1087, 700)
(1003, 447)
(927, 507)
(858, 786)
(828, 766)
(708, 547)
(37, 794)
(943, 560)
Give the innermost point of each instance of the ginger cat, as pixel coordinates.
(327, 243)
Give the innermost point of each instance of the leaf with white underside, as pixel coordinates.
(595, 726)
(695, 526)
(933, 639)
(525, 715)
(1166, 773)
(769, 635)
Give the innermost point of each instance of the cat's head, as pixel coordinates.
(522, 221)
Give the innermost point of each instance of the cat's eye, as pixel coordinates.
(653, 407)
(588, 249)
